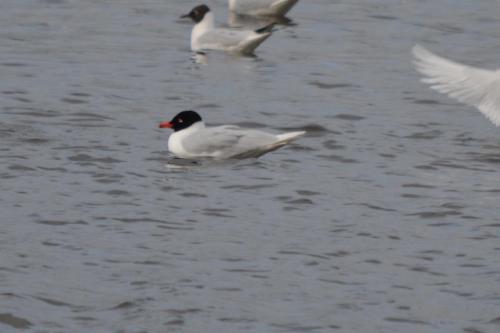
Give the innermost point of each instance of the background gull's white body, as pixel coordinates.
(205, 36)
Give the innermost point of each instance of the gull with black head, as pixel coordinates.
(205, 36)
(192, 139)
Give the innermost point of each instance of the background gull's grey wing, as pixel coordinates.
(473, 86)
(222, 38)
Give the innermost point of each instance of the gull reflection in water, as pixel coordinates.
(200, 58)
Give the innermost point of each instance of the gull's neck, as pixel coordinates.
(193, 128)
(197, 126)
(207, 24)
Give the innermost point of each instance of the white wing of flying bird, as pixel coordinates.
(473, 86)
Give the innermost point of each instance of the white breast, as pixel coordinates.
(176, 140)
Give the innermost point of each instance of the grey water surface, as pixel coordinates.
(384, 218)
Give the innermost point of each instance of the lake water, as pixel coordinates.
(384, 218)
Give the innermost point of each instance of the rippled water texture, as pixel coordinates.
(384, 218)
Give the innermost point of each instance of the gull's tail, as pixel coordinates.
(267, 29)
(289, 137)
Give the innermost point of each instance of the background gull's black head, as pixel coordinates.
(197, 13)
